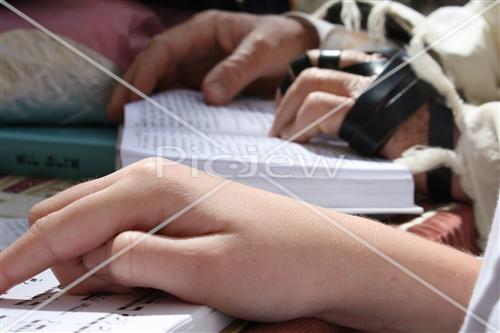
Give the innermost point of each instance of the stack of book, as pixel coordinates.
(230, 141)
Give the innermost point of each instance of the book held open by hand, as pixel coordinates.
(232, 141)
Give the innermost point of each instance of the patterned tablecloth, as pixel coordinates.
(451, 224)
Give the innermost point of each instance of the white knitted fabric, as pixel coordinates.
(468, 61)
(44, 82)
(350, 15)
(477, 155)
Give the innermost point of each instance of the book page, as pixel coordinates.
(145, 311)
(238, 129)
(250, 116)
(321, 159)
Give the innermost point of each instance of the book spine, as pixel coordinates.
(76, 161)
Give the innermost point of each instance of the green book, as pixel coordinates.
(58, 152)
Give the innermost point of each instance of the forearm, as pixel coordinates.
(371, 293)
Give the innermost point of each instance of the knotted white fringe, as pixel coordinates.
(423, 158)
(427, 69)
(376, 20)
(351, 15)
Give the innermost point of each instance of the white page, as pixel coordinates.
(148, 311)
(242, 117)
(240, 127)
(299, 160)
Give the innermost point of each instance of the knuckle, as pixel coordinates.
(36, 212)
(39, 231)
(145, 168)
(314, 100)
(207, 15)
(309, 76)
(234, 70)
(262, 44)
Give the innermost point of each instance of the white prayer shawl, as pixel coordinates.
(467, 44)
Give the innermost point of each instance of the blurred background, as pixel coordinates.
(423, 6)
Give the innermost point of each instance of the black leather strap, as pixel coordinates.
(412, 94)
(388, 52)
(299, 64)
(329, 59)
(374, 98)
(285, 85)
(296, 67)
(441, 134)
(366, 68)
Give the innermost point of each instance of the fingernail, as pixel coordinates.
(217, 91)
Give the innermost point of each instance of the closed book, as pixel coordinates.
(59, 152)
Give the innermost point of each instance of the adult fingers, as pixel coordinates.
(351, 57)
(250, 60)
(311, 80)
(348, 58)
(320, 113)
(119, 96)
(179, 266)
(163, 56)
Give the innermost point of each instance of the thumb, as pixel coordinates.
(138, 259)
(229, 77)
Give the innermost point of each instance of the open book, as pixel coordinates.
(146, 311)
(232, 141)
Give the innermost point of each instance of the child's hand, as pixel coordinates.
(249, 253)
(236, 244)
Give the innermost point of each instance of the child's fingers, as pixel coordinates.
(179, 266)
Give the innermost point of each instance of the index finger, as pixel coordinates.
(161, 59)
(68, 233)
(310, 80)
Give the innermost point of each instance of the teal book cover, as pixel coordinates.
(76, 153)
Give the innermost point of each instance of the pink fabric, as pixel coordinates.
(118, 29)
(455, 228)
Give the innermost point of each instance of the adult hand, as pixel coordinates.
(317, 92)
(314, 94)
(219, 52)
